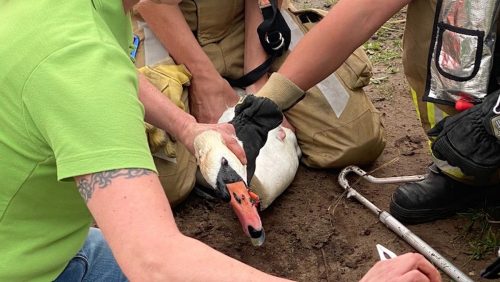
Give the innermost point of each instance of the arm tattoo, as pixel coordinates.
(87, 185)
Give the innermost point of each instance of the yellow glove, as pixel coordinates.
(281, 91)
(170, 80)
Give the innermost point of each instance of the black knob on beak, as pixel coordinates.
(225, 176)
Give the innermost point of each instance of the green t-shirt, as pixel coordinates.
(68, 107)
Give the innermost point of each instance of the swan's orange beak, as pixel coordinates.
(245, 204)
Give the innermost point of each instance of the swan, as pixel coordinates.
(226, 175)
(276, 164)
(221, 171)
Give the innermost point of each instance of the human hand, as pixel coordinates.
(470, 140)
(226, 131)
(407, 267)
(254, 118)
(209, 97)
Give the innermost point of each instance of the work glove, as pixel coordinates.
(281, 91)
(254, 118)
(470, 140)
(171, 80)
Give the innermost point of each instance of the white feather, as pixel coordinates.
(276, 164)
(209, 151)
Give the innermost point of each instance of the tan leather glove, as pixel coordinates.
(281, 91)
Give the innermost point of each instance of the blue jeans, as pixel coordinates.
(94, 262)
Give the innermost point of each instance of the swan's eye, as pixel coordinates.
(224, 162)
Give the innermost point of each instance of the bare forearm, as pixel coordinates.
(209, 94)
(348, 25)
(213, 266)
(168, 24)
(130, 207)
(255, 55)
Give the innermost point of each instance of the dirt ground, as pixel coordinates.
(313, 233)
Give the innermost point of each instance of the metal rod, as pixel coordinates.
(382, 180)
(395, 226)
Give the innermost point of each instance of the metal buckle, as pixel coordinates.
(496, 109)
(280, 39)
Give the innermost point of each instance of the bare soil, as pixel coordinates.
(313, 232)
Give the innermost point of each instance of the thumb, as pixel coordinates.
(234, 146)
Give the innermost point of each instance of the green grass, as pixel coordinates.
(482, 236)
(385, 49)
(385, 52)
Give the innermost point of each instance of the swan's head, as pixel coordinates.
(227, 176)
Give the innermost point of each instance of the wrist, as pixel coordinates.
(281, 91)
(185, 132)
(256, 86)
(209, 80)
(203, 70)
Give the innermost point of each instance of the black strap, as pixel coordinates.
(274, 35)
(252, 76)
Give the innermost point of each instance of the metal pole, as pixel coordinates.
(395, 226)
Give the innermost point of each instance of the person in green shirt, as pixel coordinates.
(70, 113)
(73, 149)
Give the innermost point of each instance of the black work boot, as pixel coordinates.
(437, 196)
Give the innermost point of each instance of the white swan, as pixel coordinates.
(276, 166)
(225, 174)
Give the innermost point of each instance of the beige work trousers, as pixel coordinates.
(336, 123)
(335, 126)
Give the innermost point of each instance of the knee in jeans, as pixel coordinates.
(75, 270)
(95, 240)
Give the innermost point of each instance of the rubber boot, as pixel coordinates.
(438, 196)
